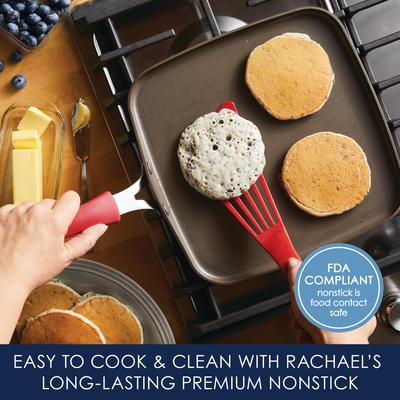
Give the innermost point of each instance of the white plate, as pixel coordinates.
(86, 275)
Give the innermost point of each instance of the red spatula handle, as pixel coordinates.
(282, 249)
(100, 210)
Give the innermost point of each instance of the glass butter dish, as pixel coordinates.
(53, 140)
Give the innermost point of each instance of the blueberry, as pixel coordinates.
(12, 28)
(42, 10)
(18, 82)
(64, 3)
(5, 8)
(16, 56)
(51, 17)
(40, 38)
(30, 20)
(41, 27)
(31, 41)
(59, 11)
(30, 6)
(13, 16)
(23, 36)
(23, 25)
(33, 19)
(2, 66)
(19, 6)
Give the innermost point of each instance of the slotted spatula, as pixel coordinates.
(272, 235)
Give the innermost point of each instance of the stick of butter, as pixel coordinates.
(26, 139)
(34, 119)
(27, 175)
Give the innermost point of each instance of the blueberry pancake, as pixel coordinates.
(53, 294)
(221, 154)
(290, 76)
(61, 327)
(326, 173)
(117, 321)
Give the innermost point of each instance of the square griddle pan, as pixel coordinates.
(168, 97)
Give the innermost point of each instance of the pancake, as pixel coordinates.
(53, 294)
(116, 320)
(61, 327)
(221, 154)
(290, 76)
(326, 174)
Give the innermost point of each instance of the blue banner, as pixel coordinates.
(195, 371)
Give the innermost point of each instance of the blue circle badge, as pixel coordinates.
(338, 287)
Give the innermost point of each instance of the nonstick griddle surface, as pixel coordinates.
(170, 96)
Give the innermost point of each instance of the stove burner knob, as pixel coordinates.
(389, 312)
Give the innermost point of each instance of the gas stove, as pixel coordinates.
(119, 39)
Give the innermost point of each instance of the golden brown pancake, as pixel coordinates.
(290, 76)
(117, 321)
(53, 294)
(61, 327)
(326, 173)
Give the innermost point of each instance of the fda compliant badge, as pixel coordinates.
(338, 287)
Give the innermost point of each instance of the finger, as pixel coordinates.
(292, 266)
(304, 337)
(67, 207)
(24, 206)
(8, 207)
(42, 207)
(20, 211)
(82, 243)
(296, 325)
(5, 212)
(50, 203)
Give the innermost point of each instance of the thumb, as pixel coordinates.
(82, 243)
(292, 266)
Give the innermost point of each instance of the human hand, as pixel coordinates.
(33, 250)
(32, 244)
(309, 333)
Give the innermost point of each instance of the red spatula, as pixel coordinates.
(272, 234)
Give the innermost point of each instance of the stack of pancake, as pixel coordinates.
(56, 314)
